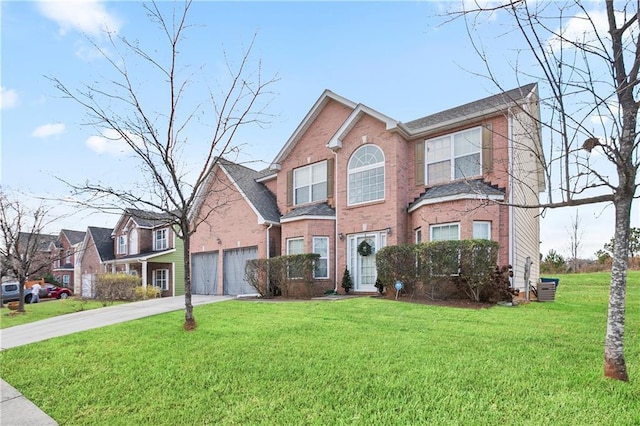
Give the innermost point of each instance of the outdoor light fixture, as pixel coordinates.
(341, 236)
(388, 230)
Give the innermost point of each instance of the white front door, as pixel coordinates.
(363, 268)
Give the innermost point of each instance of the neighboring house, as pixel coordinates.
(145, 244)
(41, 263)
(350, 174)
(64, 255)
(95, 252)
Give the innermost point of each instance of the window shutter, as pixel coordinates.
(419, 163)
(330, 176)
(290, 188)
(487, 149)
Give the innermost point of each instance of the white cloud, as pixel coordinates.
(87, 16)
(48, 130)
(110, 142)
(8, 98)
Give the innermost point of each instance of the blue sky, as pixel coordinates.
(393, 57)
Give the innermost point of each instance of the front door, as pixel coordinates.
(363, 268)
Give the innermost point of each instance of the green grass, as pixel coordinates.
(355, 361)
(45, 309)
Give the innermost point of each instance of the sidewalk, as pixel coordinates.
(15, 409)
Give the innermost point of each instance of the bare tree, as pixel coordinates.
(585, 76)
(23, 244)
(175, 169)
(576, 234)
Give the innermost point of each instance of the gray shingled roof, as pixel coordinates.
(471, 108)
(102, 240)
(320, 209)
(477, 186)
(43, 240)
(262, 199)
(74, 237)
(147, 219)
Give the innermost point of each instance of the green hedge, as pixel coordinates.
(282, 275)
(433, 269)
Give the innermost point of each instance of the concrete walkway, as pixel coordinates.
(15, 409)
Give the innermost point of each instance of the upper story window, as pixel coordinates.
(449, 231)
(122, 244)
(366, 175)
(161, 239)
(454, 156)
(310, 183)
(67, 256)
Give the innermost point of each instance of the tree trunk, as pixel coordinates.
(189, 320)
(614, 364)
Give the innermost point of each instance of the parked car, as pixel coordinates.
(49, 291)
(10, 291)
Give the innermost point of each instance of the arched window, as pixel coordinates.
(366, 175)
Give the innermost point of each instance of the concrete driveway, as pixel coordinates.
(15, 409)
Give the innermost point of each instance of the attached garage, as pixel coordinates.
(204, 273)
(234, 263)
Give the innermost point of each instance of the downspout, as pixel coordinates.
(512, 245)
(268, 255)
(335, 234)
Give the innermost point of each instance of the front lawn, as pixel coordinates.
(355, 361)
(45, 309)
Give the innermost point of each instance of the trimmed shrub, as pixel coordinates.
(150, 292)
(112, 287)
(286, 275)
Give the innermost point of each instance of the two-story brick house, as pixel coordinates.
(145, 244)
(64, 252)
(350, 174)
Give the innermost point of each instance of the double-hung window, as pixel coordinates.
(161, 239)
(294, 246)
(481, 230)
(366, 175)
(122, 244)
(446, 232)
(321, 248)
(310, 183)
(161, 279)
(454, 156)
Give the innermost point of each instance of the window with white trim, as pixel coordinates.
(321, 247)
(481, 230)
(365, 180)
(294, 246)
(454, 156)
(418, 235)
(161, 239)
(310, 183)
(122, 244)
(66, 280)
(160, 279)
(450, 231)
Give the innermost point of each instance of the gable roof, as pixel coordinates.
(44, 240)
(74, 237)
(102, 241)
(464, 189)
(261, 200)
(472, 110)
(322, 101)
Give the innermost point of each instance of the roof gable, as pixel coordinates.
(100, 239)
(313, 113)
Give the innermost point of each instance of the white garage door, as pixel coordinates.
(234, 263)
(88, 287)
(204, 273)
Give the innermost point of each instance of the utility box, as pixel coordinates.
(547, 289)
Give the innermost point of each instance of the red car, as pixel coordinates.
(49, 291)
